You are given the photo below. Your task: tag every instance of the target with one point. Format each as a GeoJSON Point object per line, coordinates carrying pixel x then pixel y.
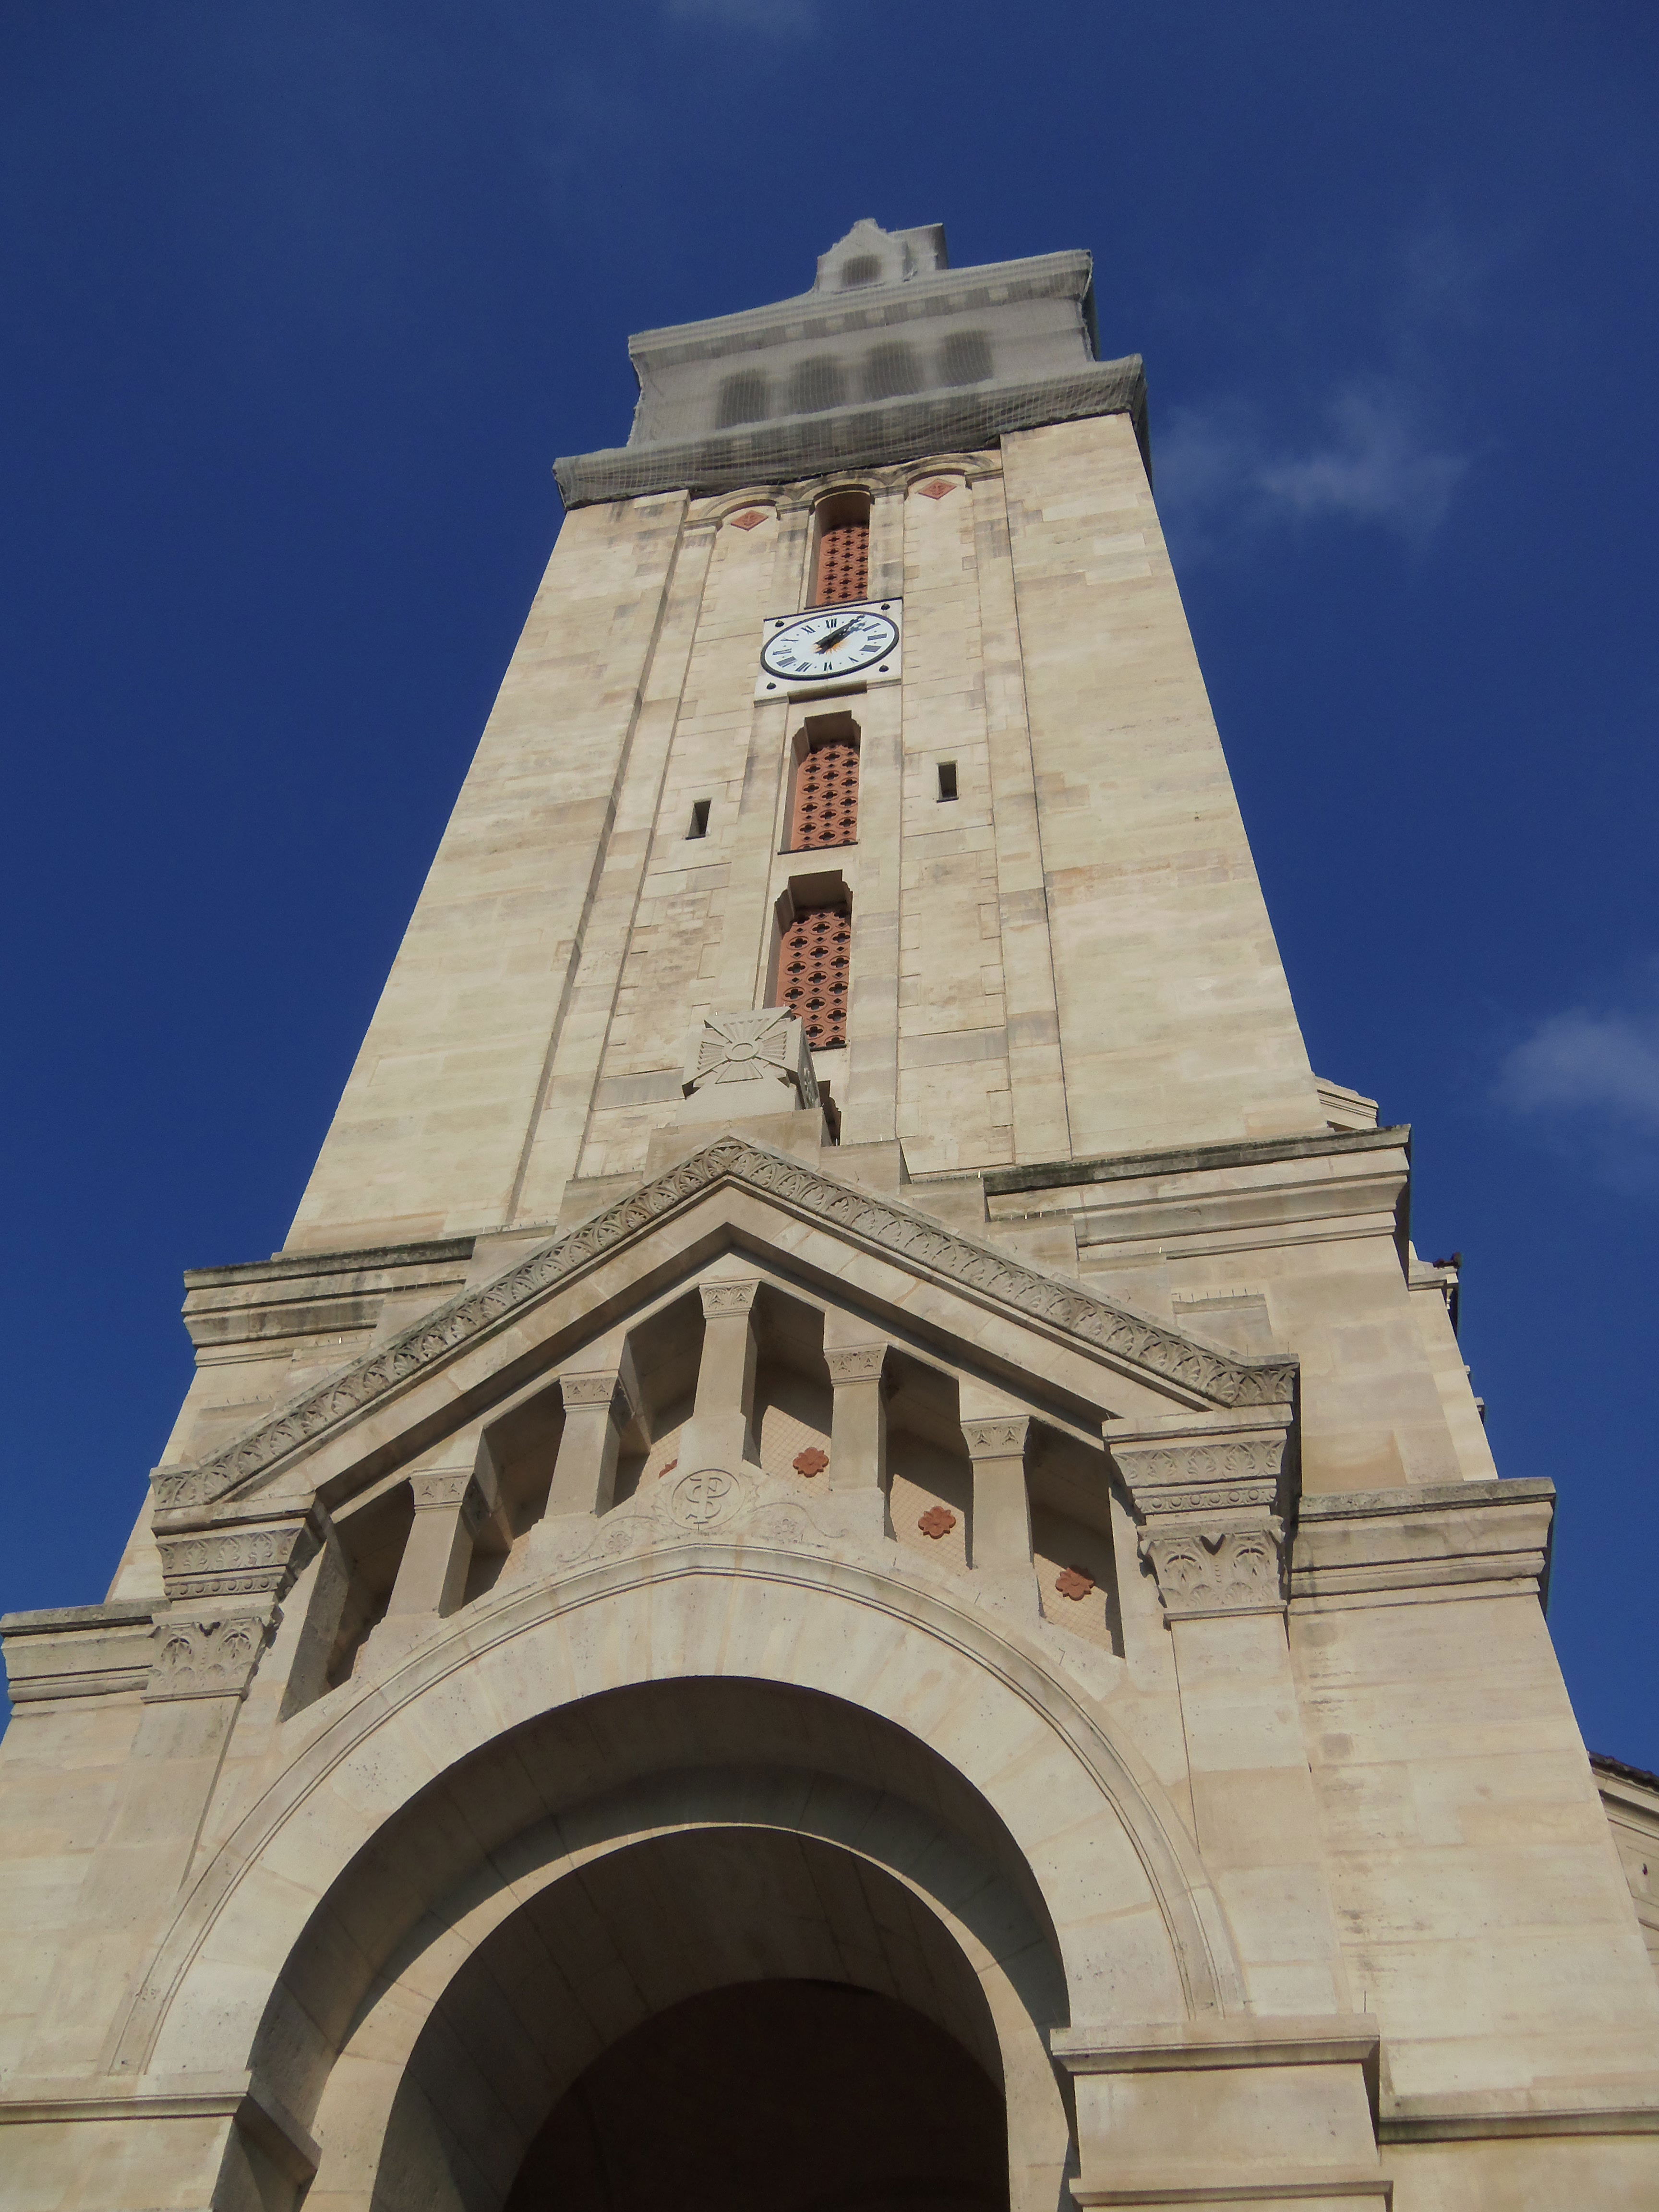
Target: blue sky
{"type": "Point", "coordinates": [298, 302]}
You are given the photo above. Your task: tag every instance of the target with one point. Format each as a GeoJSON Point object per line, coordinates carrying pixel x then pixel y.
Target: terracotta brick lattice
{"type": "Point", "coordinates": [826, 797]}
{"type": "Point", "coordinates": [843, 563]}
{"type": "Point", "coordinates": [812, 973]}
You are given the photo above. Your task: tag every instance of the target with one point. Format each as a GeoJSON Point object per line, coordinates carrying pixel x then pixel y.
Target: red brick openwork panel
{"type": "Point", "coordinates": [843, 563]}
{"type": "Point", "coordinates": [816, 951]}
{"type": "Point", "coordinates": [826, 797]}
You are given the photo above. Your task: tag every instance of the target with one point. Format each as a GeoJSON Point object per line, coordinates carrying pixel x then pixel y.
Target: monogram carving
{"type": "Point", "coordinates": [208, 1658]}
{"type": "Point", "coordinates": [1000, 1439]}
{"type": "Point", "coordinates": [704, 1499]}
{"type": "Point", "coordinates": [235, 1562]}
{"type": "Point", "coordinates": [1095, 1323]}
{"type": "Point", "coordinates": [1222, 1570]}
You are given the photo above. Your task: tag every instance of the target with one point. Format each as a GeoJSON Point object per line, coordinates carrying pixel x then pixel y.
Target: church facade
{"type": "Point", "coordinates": [848, 1560]}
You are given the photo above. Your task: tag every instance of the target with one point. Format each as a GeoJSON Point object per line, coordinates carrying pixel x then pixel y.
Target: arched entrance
{"type": "Point", "coordinates": [736, 2008]}
{"type": "Point", "coordinates": [774, 2097]}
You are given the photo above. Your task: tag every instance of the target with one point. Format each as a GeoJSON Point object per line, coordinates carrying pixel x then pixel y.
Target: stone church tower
{"type": "Point", "coordinates": [846, 1563]}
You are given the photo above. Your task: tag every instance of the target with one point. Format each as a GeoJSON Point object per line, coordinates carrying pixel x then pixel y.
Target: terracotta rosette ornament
{"type": "Point", "coordinates": [938, 1520]}
{"type": "Point", "coordinates": [1075, 1583]}
{"type": "Point", "coordinates": [810, 1461]}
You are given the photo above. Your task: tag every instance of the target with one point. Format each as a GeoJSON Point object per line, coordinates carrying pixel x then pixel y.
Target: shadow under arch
{"type": "Point", "coordinates": [751, 1917]}
{"type": "Point", "coordinates": [922, 1895]}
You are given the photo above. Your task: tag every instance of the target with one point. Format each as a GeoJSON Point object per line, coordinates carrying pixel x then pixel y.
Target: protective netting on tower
{"type": "Point", "coordinates": [812, 968]}
{"type": "Point", "coordinates": [862, 436]}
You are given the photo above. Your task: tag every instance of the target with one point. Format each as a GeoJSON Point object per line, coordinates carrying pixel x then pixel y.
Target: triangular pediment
{"type": "Point", "coordinates": [1191, 1373]}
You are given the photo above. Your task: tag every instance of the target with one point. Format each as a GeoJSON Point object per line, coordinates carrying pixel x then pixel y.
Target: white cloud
{"type": "Point", "coordinates": [1579, 1063]}
{"type": "Point", "coordinates": [1369, 459]}
{"type": "Point", "coordinates": [773, 18]}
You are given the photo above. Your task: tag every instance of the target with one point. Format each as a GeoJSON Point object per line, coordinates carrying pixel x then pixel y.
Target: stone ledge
{"type": "Point", "coordinates": [1467, 1539]}
{"type": "Point", "coordinates": [318, 1294]}
{"type": "Point", "coordinates": [26, 2103]}
{"type": "Point", "coordinates": [78, 1650]}
{"type": "Point", "coordinates": [1312, 2040]}
{"type": "Point", "coordinates": [1191, 1159]}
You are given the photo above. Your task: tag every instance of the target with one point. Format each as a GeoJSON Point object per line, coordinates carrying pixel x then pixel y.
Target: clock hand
{"type": "Point", "coordinates": [834, 638]}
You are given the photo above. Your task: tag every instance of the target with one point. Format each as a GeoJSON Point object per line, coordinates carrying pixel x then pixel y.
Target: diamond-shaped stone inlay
{"type": "Point", "coordinates": [750, 519]}
{"type": "Point", "coordinates": [940, 488]}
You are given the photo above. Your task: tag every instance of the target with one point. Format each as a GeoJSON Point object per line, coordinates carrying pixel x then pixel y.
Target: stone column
{"type": "Point", "coordinates": [1211, 1491]}
{"type": "Point", "coordinates": [858, 1424]}
{"type": "Point", "coordinates": [451, 1505]}
{"type": "Point", "coordinates": [720, 1431]}
{"type": "Point", "coordinates": [598, 1405]}
{"type": "Point", "coordinates": [999, 1532]}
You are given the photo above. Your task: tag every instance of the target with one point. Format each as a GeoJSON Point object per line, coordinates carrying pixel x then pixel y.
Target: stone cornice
{"type": "Point", "coordinates": [1192, 1159]}
{"type": "Point", "coordinates": [1201, 1371]}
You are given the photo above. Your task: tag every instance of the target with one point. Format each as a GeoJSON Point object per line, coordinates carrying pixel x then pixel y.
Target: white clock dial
{"type": "Point", "coordinates": [830, 642]}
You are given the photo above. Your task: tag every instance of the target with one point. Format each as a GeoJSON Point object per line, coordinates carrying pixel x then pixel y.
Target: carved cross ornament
{"type": "Point", "coordinates": [742, 1048]}
{"type": "Point", "coordinates": [1210, 1495]}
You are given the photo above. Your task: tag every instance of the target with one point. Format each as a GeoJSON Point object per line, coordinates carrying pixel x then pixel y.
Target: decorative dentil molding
{"type": "Point", "coordinates": [1099, 1324]}
{"type": "Point", "coordinates": [741, 1048]}
{"type": "Point", "coordinates": [212, 1658]}
{"type": "Point", "coordinates": [1210, 1494]}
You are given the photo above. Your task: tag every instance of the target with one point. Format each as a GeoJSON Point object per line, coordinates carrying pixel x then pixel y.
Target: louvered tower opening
{"type": "Point", "coordinates": [813, 961]}
{"type": "Point", "coordinates": [842, 572]}
{"type": "Point", "coordinates": [826, 811]}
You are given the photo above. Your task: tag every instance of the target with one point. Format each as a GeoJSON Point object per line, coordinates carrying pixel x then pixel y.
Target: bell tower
{"type": "Point", "coordinates": [847, 1555]}
{"type": "Point", "coordinates": [858, 685]}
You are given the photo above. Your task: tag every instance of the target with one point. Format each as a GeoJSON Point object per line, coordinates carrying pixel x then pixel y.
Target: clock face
{"type": "Point", "coordinates": [830, 641]}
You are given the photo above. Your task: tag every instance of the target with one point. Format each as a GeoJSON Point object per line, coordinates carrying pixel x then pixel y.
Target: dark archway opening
{"type": "Point", "coordinates": [776, 2096]}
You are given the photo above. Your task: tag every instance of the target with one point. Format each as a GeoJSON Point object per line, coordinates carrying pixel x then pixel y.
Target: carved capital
{"type": "Point", "coordinates": [857, 1363]}
{"type": "Point", "coordinates": [602, 1391]}
{"type": "Point", "coordinates": [769, 1044]}
{"type": "Point", "coordinates": [725, 1301]}
{"type": "Point", "coordinates": [1002, 1438]}
{"type": "Point", "coordinates": [1209, 1493]}
{"type": "Point", "coordinates": [207, 1657]}
{"type": "Point", "coordinates": [1205, 1570]}
{"type": "Point", "coordinates": [451, 1489]}
{"type": "Point", "coordinates": [257, 1561]}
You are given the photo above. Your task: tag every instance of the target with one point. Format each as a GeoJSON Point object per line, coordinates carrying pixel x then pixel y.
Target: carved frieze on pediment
{"type": "Point", "coordinates": [1206, 1374]}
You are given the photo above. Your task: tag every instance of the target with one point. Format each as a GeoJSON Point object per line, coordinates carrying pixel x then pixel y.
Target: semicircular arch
{"type": "Point", "coordinates": [1084, 1820]}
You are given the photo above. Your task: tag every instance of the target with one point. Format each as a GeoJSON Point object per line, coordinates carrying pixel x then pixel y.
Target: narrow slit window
{"type": "Point", "coordinates": [813, 962]}
{"type": "Point", "coordinates": [826, 811]}
{"type": "Point", "coordinates": [699, 819]}
{"type": "Point", "coordinates": [947, 780]}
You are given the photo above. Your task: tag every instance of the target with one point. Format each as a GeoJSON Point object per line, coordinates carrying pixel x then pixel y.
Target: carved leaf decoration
{"type": "Point", "coordinates": [812, 1460]}
{"type": "Point", "coordinates": [1075, 1583]}
{"type": "Point", "coordinates": [938, 1520]}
